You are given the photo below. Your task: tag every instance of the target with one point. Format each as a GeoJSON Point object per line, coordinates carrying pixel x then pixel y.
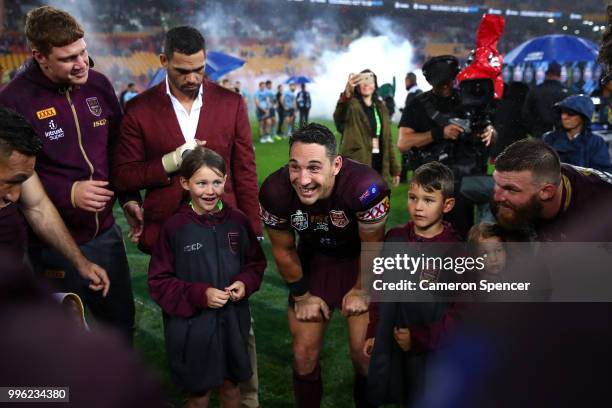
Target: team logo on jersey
{"type": "Point", "coordinates": [319, 222]}
{"type": "Point", "coordinates": [299, 220]}
{"type": "Point", "coordinates": [54, 132]}
{"type": "Point", "coordinates": [369, 194]}
{"type": "Point", "coordinates": [338, 218]}
{"type": "Point", "coordinates": [270, 220]}
{"type": "Point", "coordinates": [94, 106]}
{"type": "Point", "coordinates": [232, 240]}
{"type": "Point", "coordinates": [46, 113]}
{"type": "Point", "coordinates": [376, 213]}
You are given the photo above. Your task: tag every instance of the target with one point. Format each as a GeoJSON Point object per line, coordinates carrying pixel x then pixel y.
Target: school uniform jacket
{"type": "Point", "coordinates": [195, 252]}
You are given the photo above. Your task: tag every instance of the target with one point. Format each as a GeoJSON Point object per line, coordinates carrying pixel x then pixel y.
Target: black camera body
{"type": "Point", "coordinates": [476, 109]}
{"type": "Point", "coordinates": [473, 114]}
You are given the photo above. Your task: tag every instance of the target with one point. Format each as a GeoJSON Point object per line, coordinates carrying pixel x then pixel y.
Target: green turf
{"type": "Point", "coordinates": [269, 311]}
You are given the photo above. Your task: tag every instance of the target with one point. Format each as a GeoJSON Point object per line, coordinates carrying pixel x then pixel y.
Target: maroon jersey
{"type": "Point", "coordinates": [13, 230]}
{"type": "Point", "coordinates": [328, 226]}
{"type": "Point", "coordinates": [585, 208]}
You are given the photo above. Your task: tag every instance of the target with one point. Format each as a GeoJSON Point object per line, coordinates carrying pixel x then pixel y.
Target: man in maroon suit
{"type": "Point", "coordinates": [183, 111]}
{"type": "Point", "coordinates": [162, 123]}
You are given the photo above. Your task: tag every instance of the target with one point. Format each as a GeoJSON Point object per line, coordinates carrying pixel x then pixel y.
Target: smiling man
{"type": "Point", "coordinates": [559, 202]}
{"type": "Point", "coordinates": [333, 204]}
{"type": "Point", "coordinates": [76, 114]}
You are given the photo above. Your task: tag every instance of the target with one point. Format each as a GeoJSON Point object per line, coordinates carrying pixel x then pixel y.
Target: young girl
{"type": "Point", "coordinates": [489, 239]}
{"type": "Point", "coordinates": [205, 265]}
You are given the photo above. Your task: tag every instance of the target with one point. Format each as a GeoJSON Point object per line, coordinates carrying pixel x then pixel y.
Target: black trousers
{"type": "Point", "coordinates": [108, 251]}
{"type": "Point", "coordinates": [304, 116]}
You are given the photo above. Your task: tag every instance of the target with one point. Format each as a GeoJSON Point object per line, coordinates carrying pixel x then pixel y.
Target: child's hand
{"type": "Point", "coordinates": [216, 298]}
{"type": "Point", "coordinates": [402, 337]}
{"type": "Point", "coordinates": [368, 346]}
{"type": "Point", "coordinates": [236, 291]}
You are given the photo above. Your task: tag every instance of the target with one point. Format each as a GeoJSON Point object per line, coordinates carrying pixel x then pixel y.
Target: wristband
{"type": "Point", "coordinates": [298, 288]}
{"type": "Point", "coordinates": [437, 134]}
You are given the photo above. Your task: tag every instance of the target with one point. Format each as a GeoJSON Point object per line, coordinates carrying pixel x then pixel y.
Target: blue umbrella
{"type": "Point", "coordinates": [298, 79]}
{"type": "Point", "coordinates": [217, 65]}
{"type": "Point", "coordinates": [557, 47]}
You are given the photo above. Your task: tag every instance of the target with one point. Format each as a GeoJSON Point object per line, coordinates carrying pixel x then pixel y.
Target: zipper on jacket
{"type": "Point", "coordinates": [80, 138]}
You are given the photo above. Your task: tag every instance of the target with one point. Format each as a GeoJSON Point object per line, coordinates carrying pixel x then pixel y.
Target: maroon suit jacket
{"type": "Point", "coordinates": [150, 129]}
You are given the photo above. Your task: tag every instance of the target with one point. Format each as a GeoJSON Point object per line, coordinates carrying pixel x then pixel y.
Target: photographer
{"type": "Point", "coordinates": [427, 132]}
{"type": "Point", "coordinates": [363, 120]}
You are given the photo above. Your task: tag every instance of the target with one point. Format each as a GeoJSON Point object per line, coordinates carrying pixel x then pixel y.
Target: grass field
{"type": "Point", "coordinates": [269, 308]}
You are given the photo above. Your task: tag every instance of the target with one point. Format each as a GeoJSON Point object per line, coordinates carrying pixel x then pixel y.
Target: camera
{"type": "Point", "coordinates": [476, 109]}
{"type": "Point", "coordinates": [366, 78]}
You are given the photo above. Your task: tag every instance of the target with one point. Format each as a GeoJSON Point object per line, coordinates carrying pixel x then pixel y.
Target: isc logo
{"type": "Point", "coordinates": [192, 247]}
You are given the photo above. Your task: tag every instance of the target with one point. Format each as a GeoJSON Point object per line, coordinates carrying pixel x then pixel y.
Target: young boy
{"type": "Point", "coordinates": [402, 336]}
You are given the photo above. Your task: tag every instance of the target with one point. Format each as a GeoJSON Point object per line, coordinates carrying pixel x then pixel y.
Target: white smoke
{"type": "Point", "coordinates": [383, 51]}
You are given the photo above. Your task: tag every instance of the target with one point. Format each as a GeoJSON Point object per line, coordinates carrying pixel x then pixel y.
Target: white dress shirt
{"type": "Point", "coordinates": [187, 121]}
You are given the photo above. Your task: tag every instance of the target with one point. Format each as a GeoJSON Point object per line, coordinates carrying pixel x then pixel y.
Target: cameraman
{"type": "Point", "coordinates": [425, 132]}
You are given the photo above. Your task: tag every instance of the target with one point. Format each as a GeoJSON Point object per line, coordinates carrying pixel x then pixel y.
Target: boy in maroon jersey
{"type": "Point", "coordinates": [402, 336]}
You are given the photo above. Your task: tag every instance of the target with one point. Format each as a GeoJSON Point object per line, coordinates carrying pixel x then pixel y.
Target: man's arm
{"type": "Point", "coordinates": [244, 173]}
{"type": "Point", "coordinates": [307, 307]}
{"type": "Point", "coordinates": [285, 254]}
{"type": "Point", "coordinates": [409, 138]}
{"type": "Point", "coordinates": [132, 169]}
{"type": "Point", "coordinates": [48, 225]}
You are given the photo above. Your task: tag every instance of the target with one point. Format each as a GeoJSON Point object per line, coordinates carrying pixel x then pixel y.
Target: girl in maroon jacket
{"type": "Point", "coordinates": [205, 265]}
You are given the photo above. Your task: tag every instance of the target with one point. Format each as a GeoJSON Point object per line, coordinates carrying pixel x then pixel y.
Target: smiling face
{"type": "Point", "coordinates": [516, 199]}
{"type": "Point", "coordinates": [427, 208]}
{"type": "Point", "coordinates": [14, 170]}
{"type": "Point", "coordinates": [311, 172]}
{"type": "Point", "coordinates": [205, 188]}
{"type": "Point", "coordinates": [366, 88]}
{"type": "Point", "coordinates": [65, 65]}
{"type": "Point", "coordinates": [185, 72]}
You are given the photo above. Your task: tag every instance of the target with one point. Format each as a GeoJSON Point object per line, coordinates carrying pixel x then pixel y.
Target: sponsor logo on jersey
{"type": "Point", "coordinates": [232, 240]}
{"type": "Point", "coordinates": [46, 113]}
{"type": "Point", "coordinates": [270, 220]}
{"type": "Point", "coordinates": [376, 213]}
{"type": "Point", "coordinates": [299, 220]}
{"type": "Point", "coordinates": [338, 218]}
{"type": "Point", "coordinates": [369, 194]}
{"type": "Point", "coordinates": [54, 132]}
{"type": "Point", "coordinates": [192, 247]}
{"type": "Point", "coordinates": [320, 222]}
{"type": "Point", "coordinates": [101, 122]}
{"type": "Point", "coordinates": [94, 106]}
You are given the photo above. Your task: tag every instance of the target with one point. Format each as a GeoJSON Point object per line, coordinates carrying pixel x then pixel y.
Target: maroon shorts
{"type": "Point", "coordinates": [329, 278]}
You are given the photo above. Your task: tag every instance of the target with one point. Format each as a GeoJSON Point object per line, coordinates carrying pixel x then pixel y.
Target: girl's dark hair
{"type": "Point", "coordinates": [202, 157]}
{"type": "Point", "coordinates": [375, 94]}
